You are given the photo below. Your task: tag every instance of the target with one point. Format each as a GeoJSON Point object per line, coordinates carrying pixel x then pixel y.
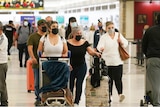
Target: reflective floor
{"type": "Point", "coordinates": [133, 85]}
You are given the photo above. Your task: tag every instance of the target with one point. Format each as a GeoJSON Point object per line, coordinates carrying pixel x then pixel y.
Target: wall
{"type": "Point", "coordinates": [95, 15]}
{"type": "Point", "coordinates": [129, 20]}
{"type": "Point", "coordinates": [147, 9]}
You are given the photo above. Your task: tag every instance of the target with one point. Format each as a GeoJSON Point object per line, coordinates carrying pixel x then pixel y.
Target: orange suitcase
{"type": "Point", "coordinates": [30, 76]}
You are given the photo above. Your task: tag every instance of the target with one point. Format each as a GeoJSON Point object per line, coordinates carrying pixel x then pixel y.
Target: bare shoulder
{"type": "Point", "coordinates": [69, 40]}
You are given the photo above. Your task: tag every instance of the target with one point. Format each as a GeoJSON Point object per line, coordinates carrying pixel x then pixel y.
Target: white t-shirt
{"type": "Point", "coordinates": [3, 49]}
{"type": "Point", "coordinates": [51, 50]}
{"type": "Point", "coordinates": [111, 53]}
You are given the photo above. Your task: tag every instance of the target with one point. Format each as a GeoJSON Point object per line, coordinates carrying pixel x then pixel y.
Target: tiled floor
{"type": "Point", "coordinates": [133, 85]}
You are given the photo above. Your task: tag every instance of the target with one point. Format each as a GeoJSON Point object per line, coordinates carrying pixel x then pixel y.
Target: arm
{"type": "Point", "coordinates": [123, 41]}
{"type": "Point", "coordinates": [144, 44]}
{"type": "Point", "coordinates": [3, 44]}
{"type": "Point", "coordinates": [100, 46]}
{"type": "Point", "coordinates": [30, 51]}
{"type": "Point", "coordinates": [65, 50]}
{"type": "Point", "coordinates": [40, 48]}
{"type": "Point", "coordinates": [92, 52]}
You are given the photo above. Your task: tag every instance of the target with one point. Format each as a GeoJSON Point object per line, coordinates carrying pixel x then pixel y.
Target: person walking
{"type": "Point", "coordinates": [33, 42]}
{"type": "Point", "coordinates": [108, 45]}
{"type": "Point", "coordinates": [78, 48]}
{"type": "Point", "coordinates": [72, 23]}
{"type": "Point", "coordinates": [9, 31]}
{"type": "Point", "coordinates": [151, 49]}
{"type": "Point", "coordinates": [52, 44]}
{"type": "Point", "coordinates": [23, 33]}
{"type": "Point", "coordinates": [98, 33]}
{"type": "Point", "coordinates": [3, 67]}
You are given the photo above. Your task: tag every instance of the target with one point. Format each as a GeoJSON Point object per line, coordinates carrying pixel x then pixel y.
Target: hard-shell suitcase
{"type": "Point", "coordinates": [30, 76]}
{"type": "Point", "coordinates": [98, 96]}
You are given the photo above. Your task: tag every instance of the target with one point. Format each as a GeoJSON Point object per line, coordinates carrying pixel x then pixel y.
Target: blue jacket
{"type": "Point", "coordinates": [58, 73]}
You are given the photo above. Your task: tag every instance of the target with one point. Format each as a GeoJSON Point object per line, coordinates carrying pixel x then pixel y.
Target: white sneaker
{"type": "Point", "coordinates": [75, 105]}
{"type": "Point", "coordinates": [121, 98]}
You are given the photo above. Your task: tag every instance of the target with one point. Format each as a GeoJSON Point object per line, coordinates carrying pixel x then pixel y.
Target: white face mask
{"type": "Point", "coordinates": [111, 31]}
{"type": "Point", "coordinates": [74, 24]}
{"type": "Point", "coordinates": [25, 23]}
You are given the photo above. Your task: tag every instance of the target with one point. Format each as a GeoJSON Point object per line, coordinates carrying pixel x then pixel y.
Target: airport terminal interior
{"type": "Point", "coordinates": [87, 13]}
{"type": "Point", "coordinates": [133, 83]}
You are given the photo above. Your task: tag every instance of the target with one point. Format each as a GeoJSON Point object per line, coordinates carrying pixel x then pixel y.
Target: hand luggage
{"type": "Point", "coordinates": [30, 76]}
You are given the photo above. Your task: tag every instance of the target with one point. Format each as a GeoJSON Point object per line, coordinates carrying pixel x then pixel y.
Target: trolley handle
{"type": "Point", "coordinates": [48, 57]}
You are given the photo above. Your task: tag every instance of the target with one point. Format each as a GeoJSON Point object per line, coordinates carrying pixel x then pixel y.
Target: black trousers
{"type": "Point", "coordinates": [115, 74]}
{"type": "Point", "coordinates": [9, 46]}
{"type": "Point", "coordinates": [23, 49]}
{"type": "Point", "coordinates": [77, 74]}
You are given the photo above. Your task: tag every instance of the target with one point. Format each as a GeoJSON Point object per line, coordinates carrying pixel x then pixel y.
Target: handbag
{"type": "Point", "coordinates": [123, 53]}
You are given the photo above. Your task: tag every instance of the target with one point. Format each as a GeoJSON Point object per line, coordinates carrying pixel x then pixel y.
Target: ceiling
{"type": "Point", "coordinates": [66, 4]}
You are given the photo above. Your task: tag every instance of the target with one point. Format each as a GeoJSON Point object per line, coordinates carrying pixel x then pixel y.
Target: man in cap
{"type": "Point", "coordinates": [151, 49]}
{"type": "Point", "coordinates": [33, 42]}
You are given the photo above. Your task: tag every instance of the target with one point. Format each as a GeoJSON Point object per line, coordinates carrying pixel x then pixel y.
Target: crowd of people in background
{"type": "Point", "coordinates": [31, 38]}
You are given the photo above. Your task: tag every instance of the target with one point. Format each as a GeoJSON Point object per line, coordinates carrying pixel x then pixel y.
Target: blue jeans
{"type": "Point", "coordinates": [36, 83]}
{"type": "Point", "coordinates": [78, 73]}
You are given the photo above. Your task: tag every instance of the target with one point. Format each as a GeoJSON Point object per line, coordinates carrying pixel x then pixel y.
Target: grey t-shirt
{"type": "Point", "coordinates": [23, 34]}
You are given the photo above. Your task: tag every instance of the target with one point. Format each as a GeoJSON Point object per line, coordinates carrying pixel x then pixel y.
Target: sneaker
{"type": "Point", "coordinates": [75, 105]}
{"type": "Point", "coordinates": [121, 98]}
{"type": "Point", "coordinates": [37, 103]}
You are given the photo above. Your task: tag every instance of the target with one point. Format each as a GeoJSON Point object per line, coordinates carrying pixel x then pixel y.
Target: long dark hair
{"type": "Point", "coordinates": [68, 30]}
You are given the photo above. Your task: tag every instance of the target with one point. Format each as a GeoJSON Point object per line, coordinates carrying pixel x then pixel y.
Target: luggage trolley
{"type": "Point", "coordinates": [50, 94]}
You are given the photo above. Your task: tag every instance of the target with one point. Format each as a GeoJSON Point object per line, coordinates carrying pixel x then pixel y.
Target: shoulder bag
{"type": "Point", "coordinates": [123, 53]}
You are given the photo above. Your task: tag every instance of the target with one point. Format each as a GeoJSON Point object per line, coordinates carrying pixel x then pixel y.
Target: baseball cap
{"type": "Point", "coordinates": [41, 21]}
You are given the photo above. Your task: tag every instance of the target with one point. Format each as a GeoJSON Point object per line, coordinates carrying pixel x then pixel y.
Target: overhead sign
{"type": "Point", "coordinates": [21, 4]}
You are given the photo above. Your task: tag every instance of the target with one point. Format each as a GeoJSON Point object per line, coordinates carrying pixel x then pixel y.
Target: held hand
{"type": "Point", "coordinates": [34, 61]}
{"type": "Point", "coordinates": [98, 54]}
{"type": "Point", "coordinates": [70, 68]}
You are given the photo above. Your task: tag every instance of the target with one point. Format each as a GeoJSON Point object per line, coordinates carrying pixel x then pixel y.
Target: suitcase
{"type": "Point", "coordinates": [30, 76]}
{"type": "Point", "coordinates": [98, 96]}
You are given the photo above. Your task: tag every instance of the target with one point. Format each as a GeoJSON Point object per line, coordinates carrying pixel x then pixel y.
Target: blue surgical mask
{"type": "Point", "coordinates": [74, 24]}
